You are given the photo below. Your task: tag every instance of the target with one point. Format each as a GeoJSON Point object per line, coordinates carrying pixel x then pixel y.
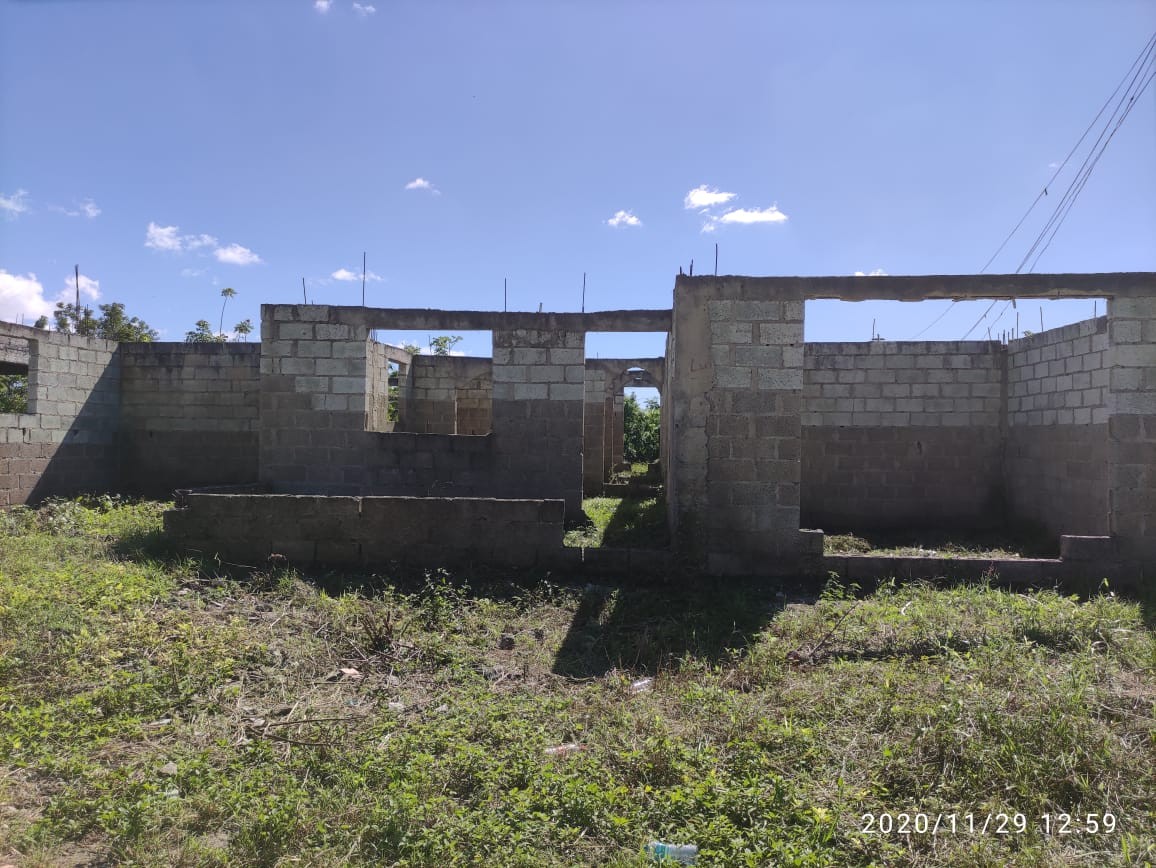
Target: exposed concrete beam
{"type": "Point", "coordinates": [953, 286]}
{"type": "Point", "coordinates": [400, 319]}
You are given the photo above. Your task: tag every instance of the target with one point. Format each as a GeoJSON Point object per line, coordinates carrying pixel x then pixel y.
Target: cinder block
{"type": "Point", "coordinates": [295, 331]}
{"type": "Point", "coordinates": [534, 391]}
{"type": "Point", "coordinates": [731, 332]}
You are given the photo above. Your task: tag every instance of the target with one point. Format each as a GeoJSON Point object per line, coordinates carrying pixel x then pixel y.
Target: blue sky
{"type": "Point", "coordinates": [175, 148]}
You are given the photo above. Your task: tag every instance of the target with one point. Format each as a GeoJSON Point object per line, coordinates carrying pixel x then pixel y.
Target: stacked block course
{"type": "Point", "coordinates": [67, 440]}
{"type": "Point", "coordinates": [899, 434]}
{"type": "Point", "coordinates": [188, 415]}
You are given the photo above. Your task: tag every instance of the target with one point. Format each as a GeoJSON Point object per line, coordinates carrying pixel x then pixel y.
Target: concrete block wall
{"type": "Point", "coordinates": [902, 434]}
{"type": "Point", "coordinates": [735, 384]}
{"type": "Point", "coordinates": [539, 390]}
{"type": "Point", "coordinates": [473, 404]}
{"type": "Point", "coordinates": [427, 531]}
{"type": "Point", "coordinates": [1132, 429]}
{"type": "Point", "coordinates": [313, 419]}
{"type": "Point", "coordinates": [66, 443]}
{"type": "Point", "coordinates": [188, 415]}
{"type": "Point", "coordinates": [14, 355]}
{"type": "Point", "coordinates": [448, 395]}
{"type": "Point", "coordinates": [595, 433]}
{"type": "Point", "coordinates": [313, 399]}
{"type": "Point", "coordinates": [377, 388]}
{"type": "Point", "coordinates": [1056, 456]}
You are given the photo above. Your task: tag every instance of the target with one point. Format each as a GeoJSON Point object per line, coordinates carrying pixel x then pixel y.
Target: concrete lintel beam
{"type": "Point", "coordinates": [932, 286]}
{"type": "Point", "coordinates": [403, 319]}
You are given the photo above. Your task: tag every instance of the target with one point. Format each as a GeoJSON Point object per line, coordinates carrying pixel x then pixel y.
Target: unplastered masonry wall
{"type": "Point", "coordinates": [902, 434]}
{"type": "Point", "coordinates": [448, 395]}
{"type": "Point", "coordinates": [539, 390]}
{"type": "Point", "coordinates": [377, 388]}
{"type": "Point", "coordinates": [313, 419]}
{"type": "Point", "coordinates": [66, 443]}
{"type": "Point", "coordinates": [188, 415]}
{"type": "Point", "coordinates": [1056, 460]}
{"type": "Point", "coordinates": [351, 531]}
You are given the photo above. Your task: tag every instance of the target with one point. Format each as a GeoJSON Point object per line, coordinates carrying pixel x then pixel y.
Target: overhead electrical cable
{"type": "Point", "coordinates": [1083, 180]}
{"type": "Point", "coordinates": [1044, 190]}
{"type": "Point", "coordinates": [1139, 75]}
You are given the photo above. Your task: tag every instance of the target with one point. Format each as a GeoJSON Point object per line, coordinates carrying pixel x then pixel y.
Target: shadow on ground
{"type": "Point", "coordinates": [638, 523]}
{"type": "Point", "coordinates": [652, 629]}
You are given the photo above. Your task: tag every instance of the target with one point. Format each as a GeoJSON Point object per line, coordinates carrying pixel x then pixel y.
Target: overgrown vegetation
{"type": "Point", "coordinates": [156, 711]}
{"type": "Point", "coordinates": [13, 393]}
{"type": "Point", "coordinates": [622, 522]}
{"type": "Point", "coordinates": [112, 324]}
{"type": "Point", "coordinates": [640, 429]}
{"type": "Point", "coordinates": [1025, 542]}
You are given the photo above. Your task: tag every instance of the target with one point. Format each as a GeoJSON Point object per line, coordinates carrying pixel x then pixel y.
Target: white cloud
{"type": "Point", "coordinates": [87, 208]}
{"type": "Point", "coordinates": [422, 184]}
{"type": "Point", "coordinates": [15, 204]}
{"type": "Point", "coordinates": [623, 218]}
{"type": "Point", "coordinates": [170, 239]}
{"type": "Point", "coordinates": [235, 254]}
{"type": "Point", "coordinates": [89, 288]}
{"type": "Point", "coordinates": [876, 272]}
{"type": "Point", "coordinates": [23, 295]}
{"type": "Point", "coordinates": [754, 215]}
{"type": "Point", "coordinates": [364, 10]}
{"type": "Point", "coordinates": [706, 197]}
{"type": "Point", "coordinates": [1053, 165]}
{"type": "Point", "coordinates": [195, 242]}
{"type": "Point", "coordinates": [322, 6]}
{"type": "Point", "coordinates": [162, 237]}
{"type": "Point", "coordinates": [192, 272]}
{"type": "Point", "coordinates": [346, 274]}
{"type": "Point", "coordinates": [708, 227]}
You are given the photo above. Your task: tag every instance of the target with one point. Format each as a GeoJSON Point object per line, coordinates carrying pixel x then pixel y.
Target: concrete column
{"type": "Point", "coordinates": [594, 434]}
{"type": "Point", "coordinates": [539, 388]}
{"type": "Point", "coordinates": [618, 431]}
{"type": "Point", "coordinates": [1132, 431]}
{"type": "Point", "coordinates": [736, 395]}
{"type": "Point", "coordinates": [313, 400]}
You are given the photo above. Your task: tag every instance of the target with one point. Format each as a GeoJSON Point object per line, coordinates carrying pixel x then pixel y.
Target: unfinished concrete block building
{"type": "Point", "coordinates": [763, 436]}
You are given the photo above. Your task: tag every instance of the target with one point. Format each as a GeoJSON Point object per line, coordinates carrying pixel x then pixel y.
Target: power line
{"type": "Point", "coordinates": [1078, 185]}
{"type": "Point", "coordinates": [1137, 72]}
{"type": "Point", "coordinates": [954, 302]}
{"type": "Point", "coordinates": [1044, 190]}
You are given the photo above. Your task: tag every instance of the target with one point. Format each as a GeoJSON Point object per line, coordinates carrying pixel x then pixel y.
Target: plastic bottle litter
{"type": "Point", "coordinates": [642, 685]}
{"type": "Point", "coordinates": [684, 854]}
{"type": "Point", "coordinates": [565, 749]}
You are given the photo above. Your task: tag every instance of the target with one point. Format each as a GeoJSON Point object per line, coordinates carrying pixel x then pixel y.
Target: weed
{"type": "Point", "coordinates": [154, 712]}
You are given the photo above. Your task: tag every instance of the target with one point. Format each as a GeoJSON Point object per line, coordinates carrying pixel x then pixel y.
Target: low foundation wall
{"type": "Point", "coordinates": [352, 531]}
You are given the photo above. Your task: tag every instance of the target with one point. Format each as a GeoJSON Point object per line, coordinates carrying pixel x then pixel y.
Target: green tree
{"type": "Point", "coordinates": [226, 293]}
{"type": "Point", "coordinates": [412, 349]}
{"type": "Point", "coordinates": [112, 324]}
{"type": "Point", "coordinates": [641, 427]}
{"type": "Point", "coordinates": [442, 344]}
{"type": "Point", "coordinates": [13, 393]}
{"type": "Point", "coordinates": [71, 319]}
{"type": "Point", "coordinates": [41, 323]}
{"type": "Point", "coordinates": [202, 333]}
{"type": "Point", "coordinates": [243, 329]}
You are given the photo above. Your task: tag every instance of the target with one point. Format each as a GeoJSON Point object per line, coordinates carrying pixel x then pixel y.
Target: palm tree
{"type": "Point", "coordinates": [226, 293]}
{"type": "Point", "coordinates": [243, 328]}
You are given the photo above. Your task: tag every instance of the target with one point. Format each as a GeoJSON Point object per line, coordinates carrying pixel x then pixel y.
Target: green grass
{"type": "Point", "coordinates": [942, 544]}
{"type": "Point", "coordinates": [622, 522]}
{"type": "Point", "coordinates": [154, 711]}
